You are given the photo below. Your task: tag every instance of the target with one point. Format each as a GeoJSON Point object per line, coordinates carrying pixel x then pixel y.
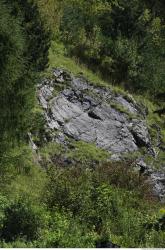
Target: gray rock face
{"type": "Point", "coordinates": [100, 125]}
{"type": "Point", "coordinates": [83, 112]}
{"type": "Point", "coordinates": [157, 178]}
{"type": "Point", "coordinates": [130, 106]}
{"type": "Point", "coordinates": [140, 132]}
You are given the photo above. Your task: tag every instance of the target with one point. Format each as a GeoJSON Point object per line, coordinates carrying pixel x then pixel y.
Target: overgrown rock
{"type": "Point", "coordinates": [75, 108]}
{"type": "Point", "coordinates": [83, 112]}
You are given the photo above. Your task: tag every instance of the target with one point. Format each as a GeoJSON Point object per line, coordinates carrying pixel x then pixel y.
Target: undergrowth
{"type": "Point", "coordinates": [76, 205]}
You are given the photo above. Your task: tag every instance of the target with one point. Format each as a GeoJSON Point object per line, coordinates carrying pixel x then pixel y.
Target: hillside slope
{"type": "Point", "coordinates": [81, 159]}
{"type": "Point", "coordinates": [75, 109]}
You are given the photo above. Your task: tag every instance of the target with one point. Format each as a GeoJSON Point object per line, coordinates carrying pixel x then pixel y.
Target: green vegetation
{"type": "Point", "coordinates": [87, 153]}
{"type": "Point", "coordinates": [58, 58]}
{"type": "Point", "coordinates": [78, 206]}
{"type": "Point", "coordinates": [79, 153]}
{"type": "Point", "coordinates": [12, 44]}
{"type": "Point", "coordinates": [122, 40]}
{"type": "Point", "coordinates": [73, 196]}
{"type": "Point", "coordinates": [22, 55]}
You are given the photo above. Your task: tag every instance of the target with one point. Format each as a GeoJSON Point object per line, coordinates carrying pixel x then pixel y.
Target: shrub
{"type": "Point", "coordinates": [123, 175]}
{"type": "Point", "coordinates": [69, 188]}
{"type": "Point", "coordinates": [66, 231]}
{"type": "Point", "coordinates": [22, 219]}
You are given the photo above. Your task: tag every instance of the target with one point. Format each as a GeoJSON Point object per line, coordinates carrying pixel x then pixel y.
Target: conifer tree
{"type": "Point", "coordinates": [23, 53]}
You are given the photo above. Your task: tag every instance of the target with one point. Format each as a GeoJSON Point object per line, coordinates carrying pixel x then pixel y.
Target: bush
{"type": "Point", "coordinates": [66, 231]}
{"type": "Point", "coordinates": [22, 219]}
{"type": "Point", "coordinates": [69, 188]}
{"type": "Point", "coordinates": [123, 175]}
{"type": "Point", "coordinates": [110, 200]}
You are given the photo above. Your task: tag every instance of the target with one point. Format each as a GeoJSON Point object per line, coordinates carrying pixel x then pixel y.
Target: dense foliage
{"type": "Point", "coordinates": [76, 206]}
{"type": "Point", "coordinates": [23, 51]}
{"type": "Point", "coordinates": [43, 203]}
{"type": "Point", "coordinates": [12, 64]}
{"type": "Point", "coordinates": [124, 40]}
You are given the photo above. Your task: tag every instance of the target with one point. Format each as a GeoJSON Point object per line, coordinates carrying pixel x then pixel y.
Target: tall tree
{"type": "Point", "coordinates": [23, 53]}
{"type": "Point", "coordinates": [122, 39]}
{"type": "Point", "coordinates": [37, 37]}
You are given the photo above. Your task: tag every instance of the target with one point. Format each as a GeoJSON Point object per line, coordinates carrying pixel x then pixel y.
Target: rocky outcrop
{"type": "Point", "coordinates": [92, 114]}
{"type": "Point", "coordinates": [75, 108]}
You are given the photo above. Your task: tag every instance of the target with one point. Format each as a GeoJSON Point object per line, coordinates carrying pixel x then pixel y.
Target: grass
{"type": "Point", "coordinates": [123, 110]}
{"type": "Point", "coordinates": [86, 153]}
{"type": "Point", "coordinates": [21, 175]}
{"type": "Point", "coordinates": [163, 135]}
{"type": "Point", "coordinates": [30, 185]}
{"type": "Point", "coordinates": [80, 152]}
{"type": "Point", "coordinates": [58, 58]}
